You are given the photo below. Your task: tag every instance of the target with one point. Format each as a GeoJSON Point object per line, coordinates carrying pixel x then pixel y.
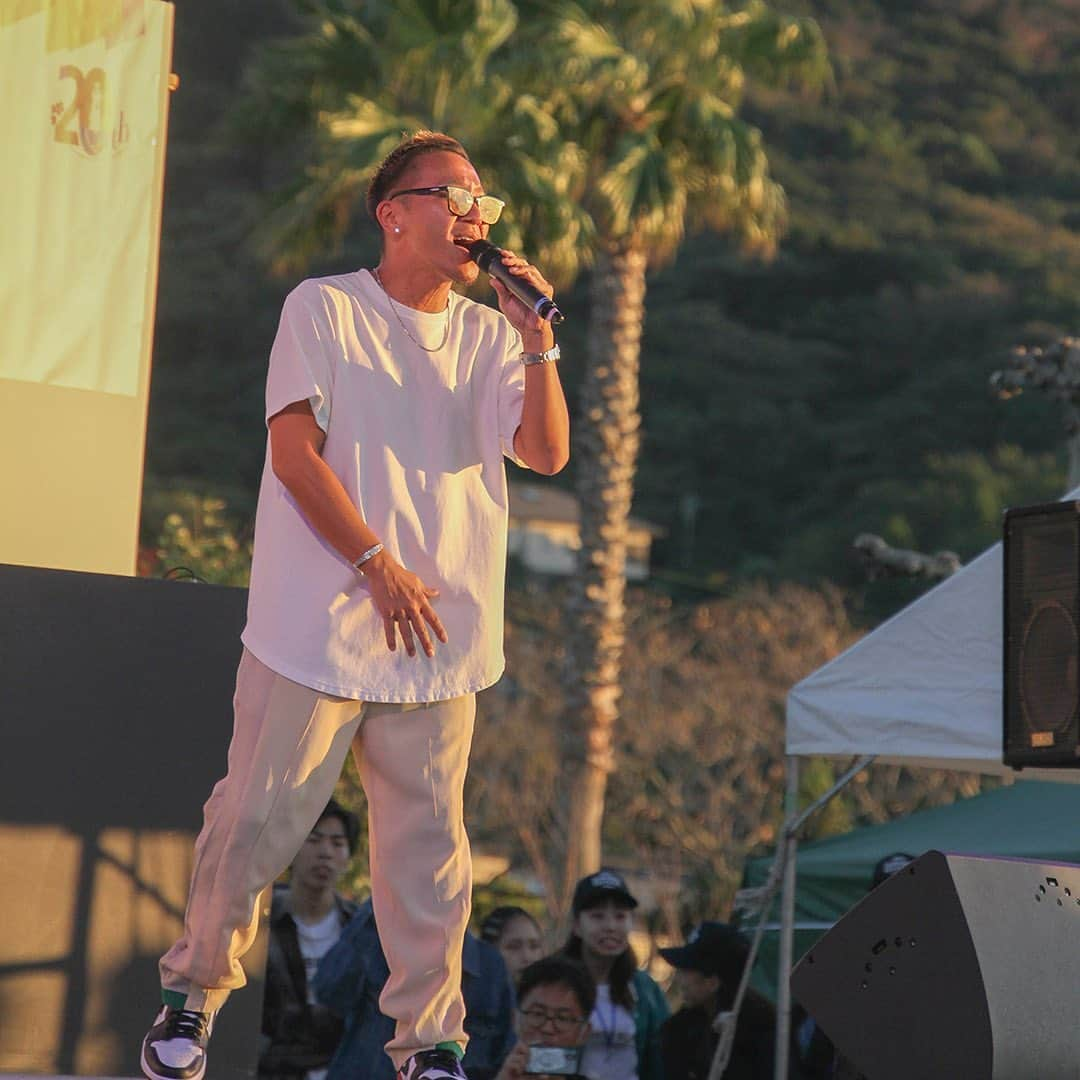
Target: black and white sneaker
{"type": "Point", "coordinates": [432, 1065]}
{"type": "Point", "coordinates": [175, 1047]}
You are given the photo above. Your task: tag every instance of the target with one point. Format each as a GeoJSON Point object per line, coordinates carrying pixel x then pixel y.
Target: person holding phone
{"type": "Point", "coordinates": [555, 998]}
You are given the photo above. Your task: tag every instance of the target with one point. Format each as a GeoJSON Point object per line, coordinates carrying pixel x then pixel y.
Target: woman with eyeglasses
{"type": "Point", "coordinates": [624, 1041]}
{"type": "Point", "coordinates": [555, 997]}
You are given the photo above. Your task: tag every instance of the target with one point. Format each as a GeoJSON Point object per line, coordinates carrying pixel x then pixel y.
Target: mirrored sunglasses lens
{"type": "Point", "coordinates": [460, 200]}
{"type": "Point", "coordinates": [490, 208]}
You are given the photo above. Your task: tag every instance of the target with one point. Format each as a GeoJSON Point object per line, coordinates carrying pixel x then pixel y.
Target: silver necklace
{"type": "Point", "coordinates": [401, 322]}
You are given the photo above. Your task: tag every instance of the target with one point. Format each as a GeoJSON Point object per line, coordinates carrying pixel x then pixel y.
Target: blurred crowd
{"type": "Point", "coordinates": [585, 1010]}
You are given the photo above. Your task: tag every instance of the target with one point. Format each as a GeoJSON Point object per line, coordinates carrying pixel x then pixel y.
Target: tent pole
{"type": "Point", "coordinates": [787, 850]}
{"type": "Point", "coordinates": [787, 923]}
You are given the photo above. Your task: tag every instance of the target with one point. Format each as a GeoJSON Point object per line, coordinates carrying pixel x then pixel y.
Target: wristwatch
{"type": "Point", "coordinates": [547, 357]}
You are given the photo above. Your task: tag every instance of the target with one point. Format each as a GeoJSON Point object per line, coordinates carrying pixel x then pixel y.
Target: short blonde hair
{"type": "Point", "coordinates": [398, 161]}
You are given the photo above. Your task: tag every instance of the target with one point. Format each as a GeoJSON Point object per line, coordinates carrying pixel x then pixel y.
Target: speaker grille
{"type": "Point", "coordinates": [1048, 690]}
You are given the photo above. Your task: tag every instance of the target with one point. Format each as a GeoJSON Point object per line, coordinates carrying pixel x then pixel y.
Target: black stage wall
{"type": "Point", "coordinates": [115, 717]}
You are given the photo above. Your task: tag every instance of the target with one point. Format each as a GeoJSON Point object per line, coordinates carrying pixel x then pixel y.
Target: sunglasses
{"type": "Point", "coordinates": [460, 202]}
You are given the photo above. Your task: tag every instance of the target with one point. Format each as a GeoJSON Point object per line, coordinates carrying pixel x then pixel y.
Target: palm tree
{"type": "Point", "coordinates": [613, 127]}
{"type": "Point", "coordinates": [648, 93]}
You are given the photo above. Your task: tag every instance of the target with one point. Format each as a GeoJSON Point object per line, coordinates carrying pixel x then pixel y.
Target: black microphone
{"type": "Point", "coordinates": [486, 256]}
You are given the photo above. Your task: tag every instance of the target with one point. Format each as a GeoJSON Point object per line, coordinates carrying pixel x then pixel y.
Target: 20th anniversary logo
{"type": "Point", "coordinates": [86, 115]}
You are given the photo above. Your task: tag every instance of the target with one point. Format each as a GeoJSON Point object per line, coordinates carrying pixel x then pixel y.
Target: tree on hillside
{"type": "Point", "coordinates": [608, 154]}
{"type": "Point", "coordinates": [1054, 370]}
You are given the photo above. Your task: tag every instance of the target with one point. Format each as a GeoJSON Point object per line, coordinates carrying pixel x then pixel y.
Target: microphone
{"type": "Point", "coordinates": [486, 256]}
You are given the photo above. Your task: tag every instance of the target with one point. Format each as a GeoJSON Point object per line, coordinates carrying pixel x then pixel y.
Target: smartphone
{"type": "Point", "coordinates": [553, 1060]}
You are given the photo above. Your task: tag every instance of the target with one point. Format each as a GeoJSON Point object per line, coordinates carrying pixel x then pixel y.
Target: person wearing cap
{"type": "Point", "coordinates": [624, 1039]}
{"type": "Point", "coordinates": [708, 969]}
{"type": "Point", "coordinates": [889, 865]}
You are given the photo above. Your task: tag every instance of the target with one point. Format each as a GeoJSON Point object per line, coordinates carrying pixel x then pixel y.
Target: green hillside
{"type": "Point", "coordinates": [934, 204]}
{"type": "Point", "coordinates": [934, 201]}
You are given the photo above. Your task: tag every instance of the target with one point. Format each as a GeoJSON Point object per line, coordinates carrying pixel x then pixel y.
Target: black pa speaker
{"type": "Point", "coordinates": [955, 968]}
{"type": "Point", "coordinates": [1042, 636]}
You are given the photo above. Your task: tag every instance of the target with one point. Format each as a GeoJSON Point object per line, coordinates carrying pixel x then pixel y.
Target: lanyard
{"type": "Point", "coordinates": [606, 1031]}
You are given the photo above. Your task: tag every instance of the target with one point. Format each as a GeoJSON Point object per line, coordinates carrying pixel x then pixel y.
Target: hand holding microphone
{"type": "Point", "coordinates": [489, 258]}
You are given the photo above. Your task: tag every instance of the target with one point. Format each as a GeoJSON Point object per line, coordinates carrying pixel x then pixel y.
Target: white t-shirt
{"type": "Point", "coordinates": [316, 940]}
{"type": "Point", "coordinates": [417, 439]}
{"type": "Point", "coordinates": [611, 1050]}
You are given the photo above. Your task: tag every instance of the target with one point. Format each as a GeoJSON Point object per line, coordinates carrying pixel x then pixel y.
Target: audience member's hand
{"type": "Point", "coordinates": [513, 1067]}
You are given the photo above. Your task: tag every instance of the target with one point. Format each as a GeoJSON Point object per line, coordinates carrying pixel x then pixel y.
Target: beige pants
{"type": "Point", "coordinates": [288, 747]}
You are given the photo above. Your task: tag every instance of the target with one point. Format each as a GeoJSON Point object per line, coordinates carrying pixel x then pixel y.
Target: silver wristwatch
{"type": "Point", "coordinates": [547, 357]}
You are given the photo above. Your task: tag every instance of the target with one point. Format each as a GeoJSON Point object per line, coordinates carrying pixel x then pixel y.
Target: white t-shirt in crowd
{"type": "Point", "coordinates": [611, 1050]}
{"type": "Point", "coordinates": [417, 439]}
{"type": "Point", "coordinates": [316, 940]}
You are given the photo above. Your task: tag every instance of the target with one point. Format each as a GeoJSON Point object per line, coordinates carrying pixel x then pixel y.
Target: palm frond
{"type": "Point", "coordinates": [547, 217]}
{"type": "Point", "coordinates": [363, 121]}
{"type": "Point", "coordinates": [775, 48]}
{"type": "Point", "coordinates": [455, 36]}
{"type": "Point", "coordinates": [632, 133]}
{"type": "Point", "coordinates": [640, 196]}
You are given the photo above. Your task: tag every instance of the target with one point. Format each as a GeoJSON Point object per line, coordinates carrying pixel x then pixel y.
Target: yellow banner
{"type": "Point", "coordinates": [73, 23]}
{"type": "Point", "coordinates": [14, 10]}
{"type": "Point", "coordinates": [82, 124]}
{"type": "Point", "coordinates": [83, 116]}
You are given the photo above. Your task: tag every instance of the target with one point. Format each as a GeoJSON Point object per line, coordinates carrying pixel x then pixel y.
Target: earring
{"type": "Point", "coordinates": [396, 229]}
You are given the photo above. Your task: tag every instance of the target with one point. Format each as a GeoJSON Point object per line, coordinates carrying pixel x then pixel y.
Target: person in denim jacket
{"type": "Point", "coordinates": [351, 976]}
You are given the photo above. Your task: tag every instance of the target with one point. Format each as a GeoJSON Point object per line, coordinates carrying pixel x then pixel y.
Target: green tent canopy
{"type": "Point", "coordinates": [1024, 820]}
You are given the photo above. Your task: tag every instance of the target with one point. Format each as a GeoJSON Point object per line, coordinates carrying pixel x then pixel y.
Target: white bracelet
{"type": "Point", "coordinates": [369, 554]}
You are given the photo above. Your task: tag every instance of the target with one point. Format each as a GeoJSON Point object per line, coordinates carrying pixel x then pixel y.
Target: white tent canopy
{"type": "Point", "coordinates": [924, 688]}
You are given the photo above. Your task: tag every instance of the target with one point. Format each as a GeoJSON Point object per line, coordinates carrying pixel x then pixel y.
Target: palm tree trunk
{"type": "Point", "coordinates": [606, 450]}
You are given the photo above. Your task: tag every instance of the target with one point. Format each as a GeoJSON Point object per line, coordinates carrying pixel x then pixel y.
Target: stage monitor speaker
{"type": "Point", "coordinates": [1042, 636]}
{"type": "Point", "coordinates": [955, 968]}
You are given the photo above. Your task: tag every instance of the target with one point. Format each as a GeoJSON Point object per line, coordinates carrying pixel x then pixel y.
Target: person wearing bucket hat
{"type": "Point", "coordinates": [624, 1043]}
{"type": "Point", "coordinates": [708, 969]}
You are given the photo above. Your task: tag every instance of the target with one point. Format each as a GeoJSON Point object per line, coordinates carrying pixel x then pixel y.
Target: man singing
{"type": "Point", "coordinates": [376, 602]}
